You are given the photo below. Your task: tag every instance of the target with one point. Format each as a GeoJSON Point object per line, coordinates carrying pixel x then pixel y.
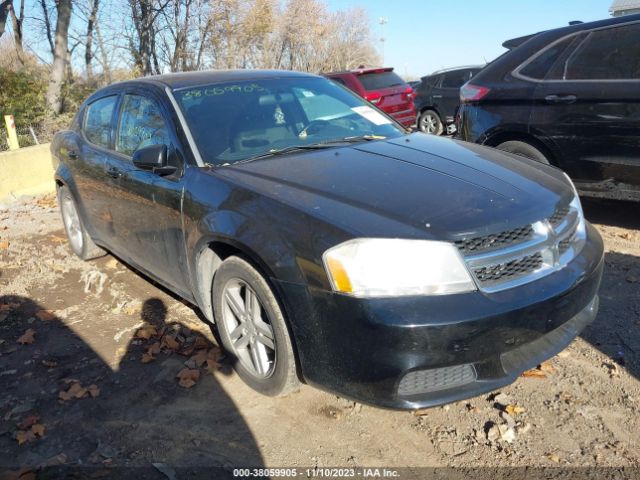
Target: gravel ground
{"type": "Point", "coordinates": [102, 369]}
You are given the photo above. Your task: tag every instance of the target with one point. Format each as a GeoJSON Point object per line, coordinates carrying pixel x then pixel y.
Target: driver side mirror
{"type": "Point", "coordinates": [154, 159]}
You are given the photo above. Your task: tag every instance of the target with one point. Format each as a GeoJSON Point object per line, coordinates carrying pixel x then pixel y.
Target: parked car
{"type": "Point", "coordinates": [327, 244]}
{"type": "Point", "coordinates": [569, 97]}
{"type": "Point", "coordinates": [382, 87]}
{"type": "Point", "coordinates": [438, 97]}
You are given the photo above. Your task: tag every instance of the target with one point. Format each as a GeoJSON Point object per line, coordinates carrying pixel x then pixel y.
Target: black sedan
{"type": "Point", "coordinates": [327, 244]}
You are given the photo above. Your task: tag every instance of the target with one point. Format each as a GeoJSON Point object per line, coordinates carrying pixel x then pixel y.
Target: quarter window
{"type": "Point", "coordinates": [540, 65]}
{"type": "Point", "coordinates": [610, 54]}
{"type": "Point", "coordinates": [141, 125]}
{"type": "Point", "coordinates": [97, 123]}
{"type": "Point", "coordinates": [455, 79]}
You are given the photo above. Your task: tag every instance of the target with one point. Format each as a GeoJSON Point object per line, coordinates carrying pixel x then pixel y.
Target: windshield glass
{"type": "Point", "coordinates": [237, 121]}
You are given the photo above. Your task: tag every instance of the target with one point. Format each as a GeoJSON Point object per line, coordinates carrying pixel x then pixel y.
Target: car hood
{"type": "Point", "coordinates": [414, 186]}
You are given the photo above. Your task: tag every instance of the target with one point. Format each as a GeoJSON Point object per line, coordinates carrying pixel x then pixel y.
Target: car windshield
{"type": "Point", "coordinates": [242, 120]}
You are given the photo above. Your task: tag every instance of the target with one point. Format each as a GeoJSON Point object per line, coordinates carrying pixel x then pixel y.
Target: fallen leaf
{"type": "Point", "coordinates": [188, 377]}
{"type": "Point", "coordinates": [49, 363]}
{"type": "Point", "coordinates": [112, 264]}
{"type": "Point", "coordinates": [27, 337]}
{"type": "Point", "coordinates": [38, 429]}
{"type": "Point", "coordinates": [45, 315]}
{"type": "Point", "coordinates": [625, 235]}
{"type": "Point", "coordinates": [200, 358]}
{"type": "Point", "coordinates": [93, 390]}
{"type": "Point", "coordinates": [534, 373]}
{"type": "Point", "coordinates": [213, 360]}
{"type": "Point", "coordinates": [170, 343]}
{"type": "Point", "coordinates": [514, 409]}
{"type": "Point", "coordinates": [4, 244]}
{"type": "Point", "coordinates": [200, 343]}
{"type": "Point", "coordinates": [546, 367]}
{"type": "Point", "coordinates": [421, 412]}
{"type": "Point", "coordinates": [147, 358]}
{"type": "Point", "coordinates": [553, 457]}
{"type": "Point", "coordinates": [146, 332]}
{"type": "Point", "coordinates": [28, 421]}
{"type": "Point", "coordinates": [154, 349]}
{"type": "Point", "coordinates": [58, 239]}
{"type": "Point", "coordinates": [76, 390]}
{"type": "Point", "coordinates": [24, 436]}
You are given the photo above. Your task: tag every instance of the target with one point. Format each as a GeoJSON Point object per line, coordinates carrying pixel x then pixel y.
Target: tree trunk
{"type": "Point", "coordinates": [54, 92]}
{"type": "Point", "coordinates": [5, 5]}
{"type": "Point", "coordinates": [47, 25]}
{"type": "Point", "coordinates": [88, 45]}
{"type": "Point", "coordinates": [17, 23]}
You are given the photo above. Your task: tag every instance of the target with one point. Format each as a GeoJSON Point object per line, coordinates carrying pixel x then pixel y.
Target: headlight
{"type": "Point", "coordinates": [575, 204]}
{"type": "Point", "coordinates": [378, 267]}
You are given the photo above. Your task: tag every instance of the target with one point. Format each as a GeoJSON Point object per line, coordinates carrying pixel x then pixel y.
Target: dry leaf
{"type": "Point", "coordinates": [200, 343]}
{"type": "Point", "coordinates": [200, 358]}
{"type": "Point", "coordinates": [146, 332]}
{"type": "Point", "coordinates": [553, 457]}
{"type": "Point", "coordinates": [28, 421]}
{"type": "Point", "coordinates": [147, 358]}
{"type": "Point", "coordinates": [27, 337]}
{"type": "Point", "coordinates": [45, 315]}
{"type": "Point", "coordinates": [188, 377]}
{"type": "Point", "coordinates": [514, 410]}
{"type": "Point", "coordinates": [170, 343]}
{"type": "Point", "coordinates": [112, 264]}
{"type": "Point", "coordinates": [49, 363]}
{"type": "Point", "coordinates": [76, 391]}
{"type": "Point", "coordinates": [534, 373]}
{"type": "Point", "coordinates": [23, 437]}
{"type": "Point", "coordinates": [213, 359]}
{"type": "Point", "coordinates": [546, 367]}
{"type": "Point", "coordinates": [93, 390]}
{"type": "Point", "coordinates": [4, 244]}
{"type": "Point", "coordinates": [154, 349]}
{"type": "Point", "coordinates": [38, 429]}
{"type": "Point", "coordinates": [421, 412]}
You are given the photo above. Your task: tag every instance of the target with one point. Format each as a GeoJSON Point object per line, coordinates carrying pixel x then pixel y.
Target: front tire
{"type": "Point", "coordinates": [523, 149]}
{"type": "Point", "coordinates": [429, 122]}
{"type": "Point", "coordinates": [79, 240]}
{"type": "Point", "coordinates": [252, 328]}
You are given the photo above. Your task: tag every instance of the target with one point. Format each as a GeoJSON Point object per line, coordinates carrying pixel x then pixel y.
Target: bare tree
{"type": "Point", "coordinates": [58, 70]}
{"type": "Point", "coordinates": [88, 45]}
{"type": "Point", "coordinates": [47, 25]}
{"type": "Point", "coordinates": [5, 6]}
{"type": "Point", "coordinates": [17, 22]}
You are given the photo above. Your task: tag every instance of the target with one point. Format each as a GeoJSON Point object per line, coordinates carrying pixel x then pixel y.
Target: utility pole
{"type": "Point", "coordinates": [382, 21]}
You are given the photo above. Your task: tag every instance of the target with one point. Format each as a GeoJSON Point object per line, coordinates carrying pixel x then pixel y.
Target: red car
{"type": "Point", "coordinates": [382, 87]}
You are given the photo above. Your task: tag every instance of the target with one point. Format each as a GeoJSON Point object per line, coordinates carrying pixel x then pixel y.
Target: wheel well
{"type": "Point", "coordinates": [496, 140]}
{"type": "Point", "coordinates": [209, 260]}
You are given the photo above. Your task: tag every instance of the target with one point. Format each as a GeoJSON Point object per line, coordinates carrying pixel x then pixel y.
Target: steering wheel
{"type": "Point", "coordinates": [313, 123]}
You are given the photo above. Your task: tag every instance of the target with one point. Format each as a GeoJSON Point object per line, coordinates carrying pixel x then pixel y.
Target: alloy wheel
{"type": "Point", "coordinates": [250, 332]}
{"type": "Point", "coordinates": [429, 123]}
{"type": "Point", "coordinates": [72, 223]}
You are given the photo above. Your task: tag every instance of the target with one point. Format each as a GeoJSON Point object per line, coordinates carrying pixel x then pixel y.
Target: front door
{"type": "Point", "coordinates": [147, 213]}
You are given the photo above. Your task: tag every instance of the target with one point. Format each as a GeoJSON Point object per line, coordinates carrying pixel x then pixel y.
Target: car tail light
{"type": "Point", "coordinates": [374, 97]}
{"type": "Point", "coordinates": [472, 93]}
{"type": "Point", "coordinates": [410, 93]}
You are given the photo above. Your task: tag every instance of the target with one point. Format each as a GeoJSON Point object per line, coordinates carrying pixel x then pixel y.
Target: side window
{"type": "Point", "coordinates": [97, 121]}
{"type": "Point", "coordinates": [141, 125]}
{"type": "Point", "coordinates": [540, 65]}
{"type": "Point", "coordinates": [610, 54]}
{"type": "Point", "coordinates": [455, 79]}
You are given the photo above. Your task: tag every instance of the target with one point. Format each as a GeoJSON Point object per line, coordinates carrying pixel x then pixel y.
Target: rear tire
{"type": "Point", "coordinates": [252, 328]}
{"type": "Point", "coordinates": [429, 122]}
{"type": "Point", "coordinates": [523, 149]}
{"type": "Point", "coordinates": [79, 240]}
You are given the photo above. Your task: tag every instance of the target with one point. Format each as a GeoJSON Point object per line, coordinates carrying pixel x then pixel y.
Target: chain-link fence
{"type": "Point", "coordinates": [28, 135]}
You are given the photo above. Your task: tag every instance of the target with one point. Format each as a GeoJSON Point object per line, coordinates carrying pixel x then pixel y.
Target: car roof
{"type": "Point", "coordinates": [362, 71]}
{"type": "Point", "coordinates": [453, 69]}
{"type": "Point", "coordinates": [180, 80]}
{"type": "Point", "coordinates": [572, 27]}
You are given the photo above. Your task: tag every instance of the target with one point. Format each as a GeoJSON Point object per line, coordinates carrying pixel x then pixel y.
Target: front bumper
{"type": "Point", "coordinates": [459, 345]}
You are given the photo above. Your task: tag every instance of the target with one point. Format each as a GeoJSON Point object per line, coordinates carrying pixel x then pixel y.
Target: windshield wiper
{"type": "Point", "coordinates": [281, 151]}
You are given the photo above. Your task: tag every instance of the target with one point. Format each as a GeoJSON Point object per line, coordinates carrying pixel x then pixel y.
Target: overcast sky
{"type": "Point", "coordinates": [427, 35]}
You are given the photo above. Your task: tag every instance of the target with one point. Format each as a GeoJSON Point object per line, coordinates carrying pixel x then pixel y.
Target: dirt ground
{"type": "Point", "coordinates": [90, 354]}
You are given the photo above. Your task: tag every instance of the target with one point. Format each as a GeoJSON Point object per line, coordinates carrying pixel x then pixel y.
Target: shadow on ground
{"type": "Point", "coordinates": [140, 415]}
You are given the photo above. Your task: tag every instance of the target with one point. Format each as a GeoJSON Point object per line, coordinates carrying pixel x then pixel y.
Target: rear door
{"type": "Point", "coordinates": [88, 164]}
{"type": "Point", "coordinates": [588, 105]}
{"type": "Point", "coordinates": [447, 95]}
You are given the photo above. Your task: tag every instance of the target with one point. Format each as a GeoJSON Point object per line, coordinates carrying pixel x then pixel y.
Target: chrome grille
{"type": "Point", "coordinates": [514, 268]}
{"type": "Point", "coordinates": [495, 241]}
{"type": "Point", "coordinates": [508, 259]}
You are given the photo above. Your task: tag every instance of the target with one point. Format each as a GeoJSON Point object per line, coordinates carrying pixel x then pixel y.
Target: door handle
{"type": "Point", "coordinates": [114, 172]}
{"type": "Point", "coordinates": [437, 96]}
{"type": "Point", "coordinates": [560, 98]}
